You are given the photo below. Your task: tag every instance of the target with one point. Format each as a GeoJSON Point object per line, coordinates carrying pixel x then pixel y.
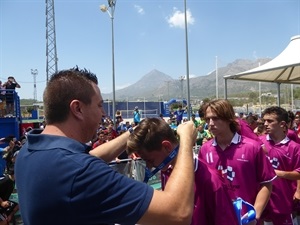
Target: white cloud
{"type": "Point", "coordinates": [139, 9]}
{"type": "Point", "coordinates": [108, 90]}
{"type": "Point", "coordinates": [177, 18]}
{"type": "Point", "coordinates": [185, 76]}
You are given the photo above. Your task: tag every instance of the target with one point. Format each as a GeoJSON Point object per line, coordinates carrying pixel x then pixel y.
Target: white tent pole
{"type": "Point", "coordinates": [292, 96]}
{"type": "Point", "coordinates": [259, 92]}
{"type": "Point", "coordinates": [278, 93]}
{"type": "Point", "coordinates": [217, 84]}
{"type": "Point", "coordinates": [225, 90]}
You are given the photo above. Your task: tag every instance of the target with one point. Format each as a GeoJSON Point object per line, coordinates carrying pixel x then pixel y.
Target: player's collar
{"type": "Point", "coordinates": [283, 141]}
{"type": "Point", "coordinates": [235, 140]}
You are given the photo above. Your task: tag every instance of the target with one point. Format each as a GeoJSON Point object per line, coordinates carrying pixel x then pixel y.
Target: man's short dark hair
{"type": "Point", "coordinates": [62, 88]}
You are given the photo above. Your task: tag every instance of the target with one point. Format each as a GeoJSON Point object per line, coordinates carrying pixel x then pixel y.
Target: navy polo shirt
{"type": "Point", "coordinates": [59, 183]}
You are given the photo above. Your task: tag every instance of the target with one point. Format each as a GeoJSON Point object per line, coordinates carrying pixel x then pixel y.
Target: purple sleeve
{"type": "Point", "coordinates": [296, 158]}
{"type": "Point", "coordinates": [293, 136]}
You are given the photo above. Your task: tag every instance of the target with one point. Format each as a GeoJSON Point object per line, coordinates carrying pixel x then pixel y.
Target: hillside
{"type": "Point", "coordinates": [158, 85]}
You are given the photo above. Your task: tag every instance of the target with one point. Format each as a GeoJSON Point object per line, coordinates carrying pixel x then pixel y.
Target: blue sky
{"type": "Point", "coordinates": [149, 34]}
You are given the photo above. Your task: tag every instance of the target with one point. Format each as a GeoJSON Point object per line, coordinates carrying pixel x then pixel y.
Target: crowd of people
{"type": "Point", "coordinates": [8, 207]}
{"type": "Point", "coordinates": [257, 157]}
{"type": "Point", "coordinates": [249, 157]}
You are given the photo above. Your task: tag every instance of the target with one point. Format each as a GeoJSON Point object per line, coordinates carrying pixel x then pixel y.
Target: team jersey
{"type": "Point", "coordinates": [212, 204]}
{"type": "Point", "coordinates": [243, 164]}
{"type": "Point", "coordinates": [283, 156]}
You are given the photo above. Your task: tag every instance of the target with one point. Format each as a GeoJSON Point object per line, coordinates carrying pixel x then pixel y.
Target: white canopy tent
{"type": "Point", "coordinates": [285, 68]}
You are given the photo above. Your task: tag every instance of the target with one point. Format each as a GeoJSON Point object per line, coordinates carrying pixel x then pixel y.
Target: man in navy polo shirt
{"type": "Point", "coordinates": [58, 182]}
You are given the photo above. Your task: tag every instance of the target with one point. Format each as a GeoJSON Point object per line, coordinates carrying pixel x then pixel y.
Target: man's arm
{"type": "Point", "coordinates": [110, 150]}
{"type": "Point", "coordinates": [297, 192]}
{"type": "Point", "coordinates": [262, 198]}
{"type": "Point", "coordinates": [289, 175]}
{"type": "Point", "coordinates": [175, 204]}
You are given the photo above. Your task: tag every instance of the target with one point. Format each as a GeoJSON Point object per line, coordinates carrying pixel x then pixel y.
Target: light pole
{"type": "Point", "coordinates": [181, 78]}
{"type": "Point", "coordinates": [187, 63]}
{"type": "Point", "coordinates": [168, 83]}
{"type": "Point", "coordinates": [34, 73]}
{"type": "Point", "coordinates": [110, 9]}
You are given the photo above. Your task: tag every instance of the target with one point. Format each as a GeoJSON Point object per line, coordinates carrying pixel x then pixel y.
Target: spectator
{"type": "Point", "coordinates": [245, 130]}
{"type": "Point", "coordinates": [260, 129]}
{"type": "Point", "coordinates": [10, 156]}
{"type": "Point", "coordinates": [71, 186]}
{"type": "Point", "coordinates": [196, 122]}
{"type": "Point", "coordinates": [162, 116]}
{"type": "Point", "coordinates": [241, 115]}
{"type": "Point", "coordinates": [291, 133]}
{"type": "Point", "coordinates": [102, 138]}
{"type": "Point", "coordinates": [201, 118]}
{"type": "Point", "coordinates": [155, 142]}
{"type": "Point", "coordinates": [136, 116]}
{"type": "Point", "coordinates": [111, 133]}
{"type": "Point", "coordinates": [203, 135]}
{"type": "Point", "coordinates": [284, 155]}
{"type": "Point", "coordinates": [179, 114]}
{"type": "Point", "coordinates": [7, 207]}
{"type": "Point", "coordinates": [10, 86]}
{"type": "Point", "coordinates": [252, 121]}
{"type": "Point", "coordinates": [119, 116]}
{"type": "Point", "coordinates": [2, 100]}
{"type": "Point", "coordinates": [296, 123]}
{"type": "Point", "coordinates": [119, 119]}
{"type": "Point", "coordinates": [239, 159]}
{"type": "Point", "coordinates": [128, 125]}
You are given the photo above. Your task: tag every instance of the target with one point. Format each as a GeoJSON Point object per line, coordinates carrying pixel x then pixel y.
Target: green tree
{"type": "Point", "coordinates": [253, 96]}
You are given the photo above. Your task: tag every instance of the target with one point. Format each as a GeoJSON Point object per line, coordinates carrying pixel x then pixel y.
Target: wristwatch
{"type": "Point", "coordinates": [130, 129]}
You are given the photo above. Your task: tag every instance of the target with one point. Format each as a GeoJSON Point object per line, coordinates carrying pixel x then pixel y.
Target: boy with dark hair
{"type": "Point", "coordinates": [284, 155]}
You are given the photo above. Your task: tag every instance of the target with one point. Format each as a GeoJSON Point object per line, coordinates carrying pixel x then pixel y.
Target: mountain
{"type": "Point", "coordinates": [157, 85]}
{"type": "Point", "coordinates": [145, 87]}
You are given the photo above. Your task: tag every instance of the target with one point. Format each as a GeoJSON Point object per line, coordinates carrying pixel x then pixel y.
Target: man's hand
{"type": "Point", "coordinates": [5, 204]}
{"type": "Point", "coordinates": [187, 129]}
{"type": "Point", "coordinates": [297, 196]}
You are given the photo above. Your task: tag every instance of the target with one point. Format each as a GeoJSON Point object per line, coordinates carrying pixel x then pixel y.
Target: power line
{"type": "Point", "coordinates": [25, 82]}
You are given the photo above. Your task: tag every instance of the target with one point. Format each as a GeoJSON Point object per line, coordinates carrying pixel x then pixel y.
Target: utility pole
{"type": "Point", "coordinates": [110, 9]}
{"type": "Point", "coordinates": [51, 53]}
{"type": "Point", "coordinates": [168, 83]}
{"type": "Point", "coordinates": [34, 73]}
{"type": "Point", "coordinates": [181, 78]}
{"type": "Point", "coordinates": [187, 64]}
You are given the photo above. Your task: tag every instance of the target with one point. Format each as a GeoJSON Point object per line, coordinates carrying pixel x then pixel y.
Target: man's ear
{"type": "Point", "coordinates": [283, 124]}
{"type": "Point", "coordinates": [167, 146]}
{"type": "Point", "coordinates": [76, 109]}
